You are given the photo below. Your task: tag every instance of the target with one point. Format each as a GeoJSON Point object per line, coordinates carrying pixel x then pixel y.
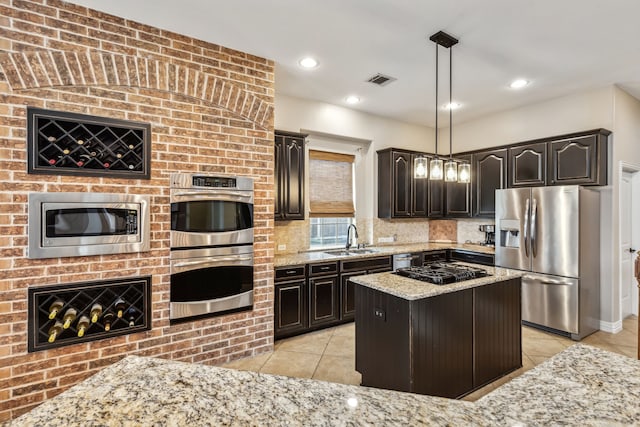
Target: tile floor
{"type": "Point", "coordinates": [329, 354]}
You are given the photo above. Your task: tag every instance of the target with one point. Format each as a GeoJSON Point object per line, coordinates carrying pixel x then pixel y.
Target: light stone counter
{"type": "Point", "coordinates": [411, 289]}
{"type": "Point", "coordinates": [581, 386]}
{"type": "Point", "coordinates": [319, 256]}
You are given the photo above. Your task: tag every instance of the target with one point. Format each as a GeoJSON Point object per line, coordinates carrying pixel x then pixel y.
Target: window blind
{"type": "Point", "coordinates": [330, 184]}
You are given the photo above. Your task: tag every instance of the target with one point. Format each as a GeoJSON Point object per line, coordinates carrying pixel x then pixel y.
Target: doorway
{"type": "Point", "coordinates": [629, 238]}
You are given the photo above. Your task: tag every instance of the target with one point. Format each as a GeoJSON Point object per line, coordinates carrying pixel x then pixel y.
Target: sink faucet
{"type": "Point", "coordinates": [355, 231]}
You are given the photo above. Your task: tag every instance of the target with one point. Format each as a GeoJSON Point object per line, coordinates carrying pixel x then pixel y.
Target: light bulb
{"type": "Point", "coordinates": [450, 171]}
{"type": "Point", "coordinates": [464, 173]}
{"type": "Point", "coordinates": [436, 169]}
{"type": "Point", "coordinates": [420, 167]}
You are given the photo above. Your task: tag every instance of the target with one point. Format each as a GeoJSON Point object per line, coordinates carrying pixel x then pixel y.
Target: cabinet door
{"type": "Point", "coordinates": [435, 197]}
{"type": "Point", "coordinates": [290, 308]}
{"type": "Point", "coordinates": [278, 154]}
{"type": "Point", "coordinates": [458, 196]}
{"type": "Point", "coordinates": [528, 165]}
{"type": "Point", "coordinates": [293, 179]}
{"type": "Point", "coordinates": [402, 178]}
{"type": "Point", "coordinates": [490, 174]}
{"type": "Point", "coordinates": [324, 300]}
{"type": "Point", "coordinates": [574, 161]}
{"type": "Point", "coordinates": [347, 294]}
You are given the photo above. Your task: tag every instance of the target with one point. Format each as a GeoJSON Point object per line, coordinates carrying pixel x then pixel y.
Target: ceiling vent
{"type": "Point", "coordinates": [381, 79]}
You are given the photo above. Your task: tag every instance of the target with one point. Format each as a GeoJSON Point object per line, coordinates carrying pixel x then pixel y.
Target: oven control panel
{"type": "Point", "coordinates": [213, 181]}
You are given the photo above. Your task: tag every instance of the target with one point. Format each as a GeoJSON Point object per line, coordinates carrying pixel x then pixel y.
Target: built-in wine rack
{"type": "Point", "coordinates": [79, 312]}
{"type": "Point", "coordinates": [64, 143]}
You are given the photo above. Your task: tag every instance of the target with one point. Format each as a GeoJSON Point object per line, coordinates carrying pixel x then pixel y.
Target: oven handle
{"type": "Point", "coordinates": [211, 195]}
{"type": "Point", "coordinates": [215, 261]}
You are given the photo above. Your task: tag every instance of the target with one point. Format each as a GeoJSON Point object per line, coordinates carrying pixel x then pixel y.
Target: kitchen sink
{"type": "Point", "coordinates": [347, 252]}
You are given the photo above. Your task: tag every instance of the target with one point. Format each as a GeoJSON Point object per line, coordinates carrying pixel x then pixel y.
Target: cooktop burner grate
{"type": "Point", "coordinates": [440, 273]}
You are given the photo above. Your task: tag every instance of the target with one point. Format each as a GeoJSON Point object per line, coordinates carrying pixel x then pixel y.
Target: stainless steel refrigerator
{"type": "Point", "coordinates": [553, 233]}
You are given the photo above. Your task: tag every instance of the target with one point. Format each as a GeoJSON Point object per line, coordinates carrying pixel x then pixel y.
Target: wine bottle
{"type": "Point", "coordinates": [55, 308]}
{"type": "Point", "coordinates": [51, 139]}
{"type": "Point", "coordinates": [69, 317]}
{"type": "Point", "coordinates": [80, 142]}
{"type": "Point", "coordinates": [96, 312]}
{"type": "Point", "coordinates": [107, 319]}
{"type": "Point", "coordinates": [131, 317]}
{"type": "Point", "coordinates": [119, 306]}
{"type": "Point", "coordinates": [55, 331]}
{"type": "Point", "coordinates": [83, 325]}
{"type": "Point", "coordinates": [65, 151]}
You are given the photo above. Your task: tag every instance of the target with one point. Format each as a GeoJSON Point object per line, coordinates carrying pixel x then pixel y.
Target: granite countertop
{"type": "Point", "coordinates": [411, 289]}
{"type": "Point", "coordinates": [579, 386]}
{"type": "Point", "coordinates": [319, 256]}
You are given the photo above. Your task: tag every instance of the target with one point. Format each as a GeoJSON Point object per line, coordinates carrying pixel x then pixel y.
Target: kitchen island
{"type": "Point", "coordinates": [579, 386]}
{"type": "Point", "coordinates": [443, 340]}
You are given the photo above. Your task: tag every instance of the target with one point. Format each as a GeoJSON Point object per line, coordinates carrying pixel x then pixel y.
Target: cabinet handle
{"type": "Point", "coordinates": [325, 268]}
{"type": "Point", "coordinates": [291, 272]}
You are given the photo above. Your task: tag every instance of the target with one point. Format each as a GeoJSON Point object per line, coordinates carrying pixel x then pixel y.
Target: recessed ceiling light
{"type": "Point", "coordinates": [452, 106]}
{"type": "Point", "coordinates": [518, 84]}
{"type": "Point", "coordinates": [308, 62]}
{"type": "Point", "coordinates": [352, 99]}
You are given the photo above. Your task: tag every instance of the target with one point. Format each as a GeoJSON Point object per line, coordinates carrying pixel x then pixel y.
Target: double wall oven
{"type": "Point", "coordinates": [211, 245]}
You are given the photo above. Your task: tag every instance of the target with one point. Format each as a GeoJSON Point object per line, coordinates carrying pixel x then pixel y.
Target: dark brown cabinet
{"type": "Point", "coordinates": [528, 165]}
{"type": "Point", "coordinates": [578, 160]}
{"type": "Point", "coordinates": [458, 196]}
{"type": "Point", "coordinates": [289, 175]}
{"type": "Point", "coordinates": [351, 268]}
{"type": "Point", "coordinates": [400, 195]}
{"type": "Point", "coordinates": [489, 174]}
{"type": "Point", "coordinates": [435, 199]}
{"type": "Point", "coordinates": [291, 312]}
{"type": "Point", "coordinates": [447, 345]}
{"type": "Point", "coordinates": [324, 300]}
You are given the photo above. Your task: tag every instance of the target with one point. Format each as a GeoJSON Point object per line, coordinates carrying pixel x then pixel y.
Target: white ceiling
{"type": "Point", "coordinates": [561, 46]}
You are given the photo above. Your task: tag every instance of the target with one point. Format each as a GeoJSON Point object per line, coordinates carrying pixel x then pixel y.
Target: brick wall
{"type": "Point", "coordinates": [211, 110]}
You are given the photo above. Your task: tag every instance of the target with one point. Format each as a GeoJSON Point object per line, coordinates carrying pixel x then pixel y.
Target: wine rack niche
{"type": "Point", "coordinates": [50, 305]}
{"type": "Point", "coordinates": [64, 143]}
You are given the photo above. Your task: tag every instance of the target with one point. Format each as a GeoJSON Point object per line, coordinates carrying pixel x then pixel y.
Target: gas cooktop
{"type": "Point", "coordinates": [442, 273]}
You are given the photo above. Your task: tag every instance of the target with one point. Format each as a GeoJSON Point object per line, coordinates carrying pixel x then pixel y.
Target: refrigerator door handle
{"type": "Point", "coordinates": [525, 232]}
{"type": "Point", "coordinates": [534, 228]}
{"type": "Point", "coordinates": [547, 281]}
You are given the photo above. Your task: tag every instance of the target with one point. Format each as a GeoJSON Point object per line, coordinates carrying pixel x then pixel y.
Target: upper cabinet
{"type": "Point", "coordinates": [400, 195]}
{"type": "Point", "coordinates": [458, 196]}
{"type": "Point", "coordinates": [289, 175]}
{"type": "Point", "coordinates": [528, 165]}
{"type": "Point", "coordinates": [578, 160]}
{"type": "Point", "coordinates": [489, 170]}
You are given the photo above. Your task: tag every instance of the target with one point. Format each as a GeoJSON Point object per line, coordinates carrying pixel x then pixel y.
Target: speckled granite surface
{"type": "Point", "coordinates": [308, 257]}
{"type": "Point", "coordinates": [411, 289]}
{"type": "Point", "coordinates": [581, 386]}
{"type": "Point", "coordinates": [145, 391]}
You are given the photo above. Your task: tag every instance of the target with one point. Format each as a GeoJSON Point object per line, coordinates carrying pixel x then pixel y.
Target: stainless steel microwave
{"type": "Point", "coordinates": [82, 224]}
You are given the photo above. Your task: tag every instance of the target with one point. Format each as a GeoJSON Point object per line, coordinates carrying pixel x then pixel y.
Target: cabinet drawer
{"type": "Point", "coordinates": [366, 264]}
{"type": "Point", "coordinates": [472, 257]}
{"type": "Point", "coordinates": [290, 272]}
{"type": "Point", "coordinates": [323, 269]}
{"type": "Point", "coordinates": [432, 256]}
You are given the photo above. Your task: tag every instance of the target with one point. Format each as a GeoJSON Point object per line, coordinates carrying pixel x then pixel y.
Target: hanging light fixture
{"type": "Point", "coordinates": [451, 171]}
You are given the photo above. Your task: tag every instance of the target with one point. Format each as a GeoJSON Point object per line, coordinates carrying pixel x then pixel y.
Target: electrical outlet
{"type": "Point", "coordinates": [282, 247]}
{"type": "Point", "coordinates": [380, 314]}
{"type": "Point", "coordinates": [385, 240]}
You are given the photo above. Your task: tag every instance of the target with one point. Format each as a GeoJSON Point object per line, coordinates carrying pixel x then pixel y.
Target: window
{"type": "Point", "coordinates": [331, 197]}
{"type": "Point", "coordinates": [329, 231]}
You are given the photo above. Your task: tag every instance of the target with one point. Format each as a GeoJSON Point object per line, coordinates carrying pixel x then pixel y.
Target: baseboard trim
{"type": "Point", "coordinates": [612, 327]}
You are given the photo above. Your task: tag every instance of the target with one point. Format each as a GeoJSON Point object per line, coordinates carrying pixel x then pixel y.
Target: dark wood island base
{"type": "Point", "coordinates": [445, 345]}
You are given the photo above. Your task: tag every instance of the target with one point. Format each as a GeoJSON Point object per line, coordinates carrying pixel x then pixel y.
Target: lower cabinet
{"type": "Point", "coordinates": [447, 345]}
{"type": "Point", "coordinates": [290, 305]}
{"type": "Point", "coordinates": [324, 300]}
{"type": "Point", "coordinates": [319, 295]}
